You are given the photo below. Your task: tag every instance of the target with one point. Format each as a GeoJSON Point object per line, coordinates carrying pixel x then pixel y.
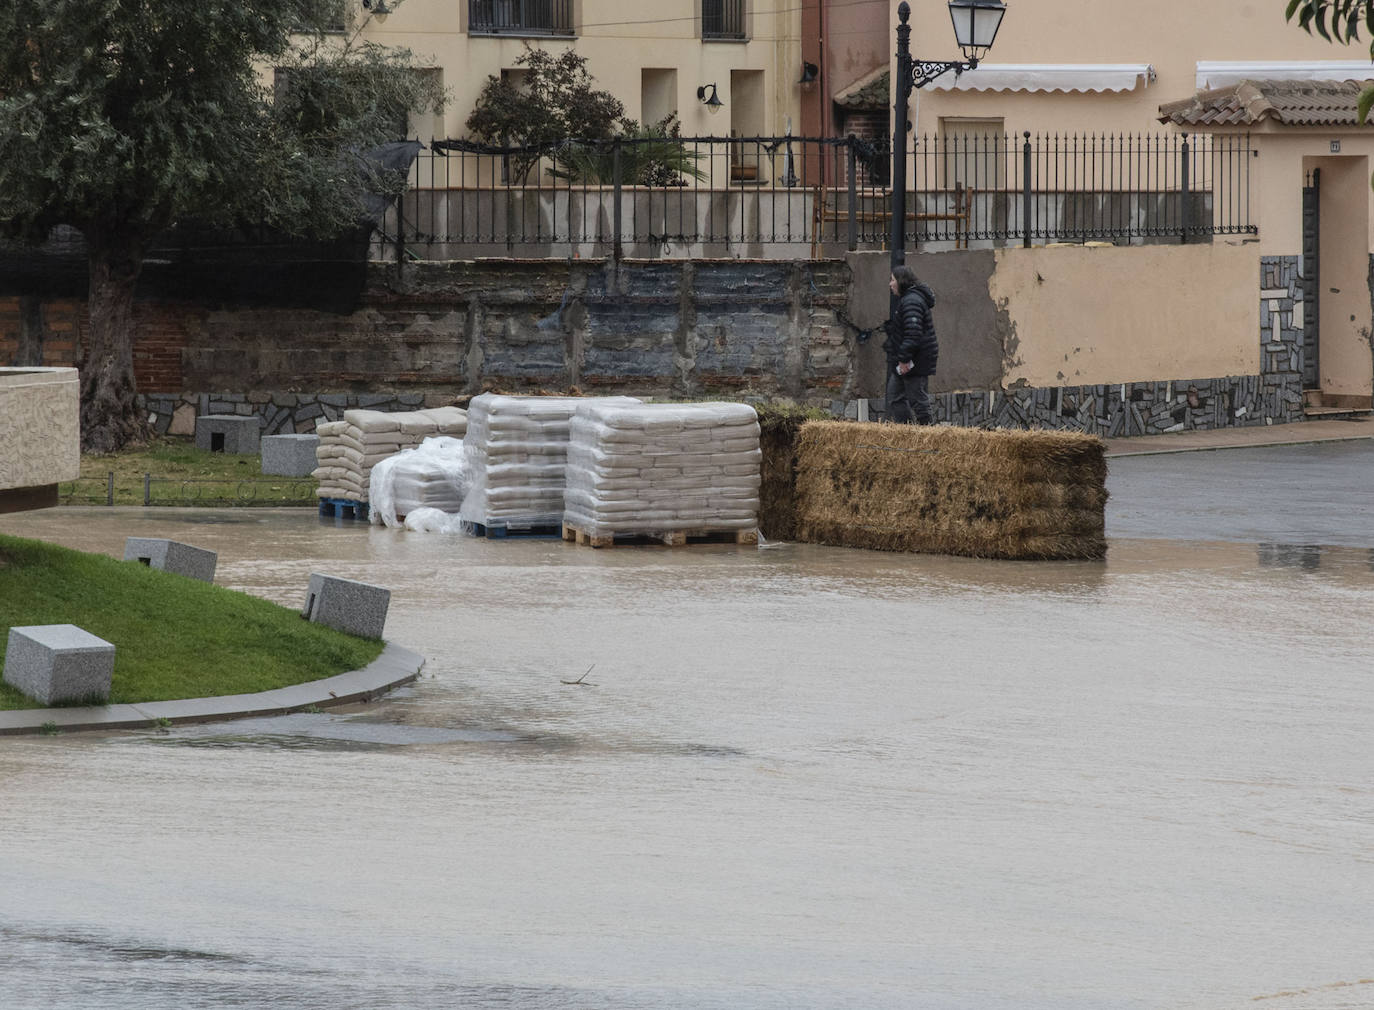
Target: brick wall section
{"type": "Point", "coordinates": [163, 333]}
{"type": "Point", "coordinates": [63, 322]}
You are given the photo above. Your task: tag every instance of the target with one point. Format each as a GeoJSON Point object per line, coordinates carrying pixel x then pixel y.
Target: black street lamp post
{"type": "Point", "coordinates": [975, 26]}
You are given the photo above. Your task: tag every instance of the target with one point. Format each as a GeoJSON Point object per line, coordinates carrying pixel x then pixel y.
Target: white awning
{"type": "Point", "coordinates": [1048, 77]}
{"type": "Point", "coordinates": [1213, 74]}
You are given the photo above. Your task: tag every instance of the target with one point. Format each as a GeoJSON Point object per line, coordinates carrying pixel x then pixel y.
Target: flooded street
{"type": "Point", "coordinates": [792, 777]}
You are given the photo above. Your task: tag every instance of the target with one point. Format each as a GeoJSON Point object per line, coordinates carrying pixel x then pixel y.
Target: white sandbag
{"type": "Point", "coordinates": [662, 468]}
{"type": "Point", "coordinates": [516, 452]}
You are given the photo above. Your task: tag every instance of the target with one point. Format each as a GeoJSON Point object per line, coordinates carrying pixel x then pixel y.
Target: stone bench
{"type": "Point", "coordinates": [289, 455]}
{"type": "Point", "coordinates": [170, 556]}
{"type": "Point", "coordinates": [354, 607]}
{"type": "Point", "coordinates": [54, 663]}
{"type": "Point", "coordinates": [228, 433]}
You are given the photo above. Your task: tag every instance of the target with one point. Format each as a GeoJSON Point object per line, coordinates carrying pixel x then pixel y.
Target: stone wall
{"type": "Point", "coordinates": [738, 329]}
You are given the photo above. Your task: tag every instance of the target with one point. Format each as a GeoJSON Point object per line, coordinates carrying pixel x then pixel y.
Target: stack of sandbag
{"type": "Point", "coordinates": [429, 476]}
{"type": "Point", "coordinates": [349, 448]}
{"type": "Point", "coordinates": [516, 453]}
{"type": "Point", "coordinates": [654, 468]}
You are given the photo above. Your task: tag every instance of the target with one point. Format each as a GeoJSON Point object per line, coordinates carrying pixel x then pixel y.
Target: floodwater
{"type": "Point", "coordinates": [790, 777]}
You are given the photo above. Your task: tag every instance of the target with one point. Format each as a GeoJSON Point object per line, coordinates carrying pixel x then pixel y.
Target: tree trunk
{"type": "Point", "coordinates": [109, 418]}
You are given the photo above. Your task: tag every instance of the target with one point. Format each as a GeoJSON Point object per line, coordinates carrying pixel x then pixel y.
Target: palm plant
{"type": "Point", "coordinates": [651, 155]}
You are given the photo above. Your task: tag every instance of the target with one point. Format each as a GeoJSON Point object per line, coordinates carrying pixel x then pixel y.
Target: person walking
{"type": "Point", "coordinates": [912, 349]}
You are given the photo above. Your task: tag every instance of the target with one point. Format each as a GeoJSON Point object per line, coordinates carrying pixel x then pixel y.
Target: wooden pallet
{"type": "Point", "coordinates": [549, 532]}
{"type": "Point", "coordinates": [674, 538]}
{"type": "Point", "coordinates": [344, 508]}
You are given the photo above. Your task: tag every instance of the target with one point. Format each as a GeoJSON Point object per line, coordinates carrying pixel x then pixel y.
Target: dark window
{"type": "Point", "coordinates": [520, 17]}
{"type": "Point", "coordinates": [722, 19]}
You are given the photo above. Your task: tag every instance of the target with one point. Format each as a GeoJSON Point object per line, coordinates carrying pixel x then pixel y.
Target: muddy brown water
{"type": "Point", "coordinates": [793, 777]}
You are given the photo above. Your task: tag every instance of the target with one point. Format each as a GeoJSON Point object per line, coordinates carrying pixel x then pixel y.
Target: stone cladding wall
{"type": "Point", "coordinates": [1155, 407]}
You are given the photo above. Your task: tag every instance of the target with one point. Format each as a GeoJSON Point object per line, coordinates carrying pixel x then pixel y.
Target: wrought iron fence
{"type": "Point", "coordinates": [184, 492]}
{"type": "Point", "coordinates": [806, 196]}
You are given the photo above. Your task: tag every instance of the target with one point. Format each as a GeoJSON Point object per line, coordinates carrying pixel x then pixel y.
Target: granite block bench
{"type": "Point", "coordinates": [171, 556]}
{"type": "Point", "coordinates": [289, 455]}
{"type": "Point", "coordinates": [354, 607]}
{"type": "Point", "coordinates": [54, 663]}
{"type": "Point", "coordinates": [228, 433]}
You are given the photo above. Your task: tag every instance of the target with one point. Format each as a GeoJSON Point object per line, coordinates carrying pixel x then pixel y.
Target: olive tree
{"type": "Point", "coordinates": [122, 117]}
{"type": "Point", "coordinates": [556, 100]}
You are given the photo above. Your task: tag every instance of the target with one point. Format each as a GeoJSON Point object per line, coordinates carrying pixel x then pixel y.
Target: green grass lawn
{"type": "Point", "coordinates": [185, 475]}
{"type": "Point", "coordinates": [174, 637]}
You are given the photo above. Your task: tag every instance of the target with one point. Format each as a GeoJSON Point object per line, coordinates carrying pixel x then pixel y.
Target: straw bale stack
{"type": "Point", "coordinates": [780, 426]}
{"type": "Point", "coordinates": [1029, 495]}
{"type": "Point", "coordinates": [516, 455]}
{"type": "Point", "coordinates": [349, 448]}
{"type": "Point", "coordinates": [653, 468]}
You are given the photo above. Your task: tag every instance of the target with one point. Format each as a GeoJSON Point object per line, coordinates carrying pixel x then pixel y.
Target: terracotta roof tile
{"type": "Point", "coordinates": [1291, 103]}
{"type": "Point", "coordinates": [872, 91]}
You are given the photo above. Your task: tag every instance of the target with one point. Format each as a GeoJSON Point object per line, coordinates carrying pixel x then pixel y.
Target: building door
{"type": "Point", "coordinates": [1311, 279]}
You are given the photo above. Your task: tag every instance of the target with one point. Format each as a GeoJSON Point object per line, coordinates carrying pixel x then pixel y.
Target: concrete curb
{"type": "Point", "coordinates": [394, 667]}
{"type": "Point", "coordinates": [1123, 452]}
{"type": "Point", "coordinates": [1253, 437]}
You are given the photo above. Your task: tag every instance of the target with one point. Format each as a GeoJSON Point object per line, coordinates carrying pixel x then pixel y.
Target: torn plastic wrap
{"type": "Point", "coordinates": [428, 477]}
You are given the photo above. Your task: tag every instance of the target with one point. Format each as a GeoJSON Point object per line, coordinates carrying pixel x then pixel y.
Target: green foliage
{"type": "Point", "coordinates": [1338, 21]}
{"type": "Point", "coordinates": [120, 117]}
{"type": "Point", "coordinates": [174, 637]}
{"type": "Point", "coordinates": [649, 156]}
{"type": "Point", "coordinates": [555, 100]}
{"type": "Point", "coordinates": [1334, 20]}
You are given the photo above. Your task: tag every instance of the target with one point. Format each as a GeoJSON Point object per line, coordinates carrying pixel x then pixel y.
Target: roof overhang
{"type": "Point", "coordinates": [1215, 74]}
{"type": "Point", "coordinates": [1048, 77]}
{"type": "Point", "coordinates": [1270, 104]}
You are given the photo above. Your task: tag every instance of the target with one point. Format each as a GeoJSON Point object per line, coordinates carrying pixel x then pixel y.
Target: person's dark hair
{"type": "Point", "coordinates": [905, 278]}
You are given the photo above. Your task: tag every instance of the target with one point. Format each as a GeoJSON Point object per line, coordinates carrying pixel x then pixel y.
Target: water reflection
{"type": "Point", "coordinates": [806, 777]}
{"type": "Point", "coordinates": [1308, 557]}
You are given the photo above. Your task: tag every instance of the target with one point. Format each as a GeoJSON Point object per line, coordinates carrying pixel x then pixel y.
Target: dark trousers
{"type": "Point", "coordinates": [908, 399]}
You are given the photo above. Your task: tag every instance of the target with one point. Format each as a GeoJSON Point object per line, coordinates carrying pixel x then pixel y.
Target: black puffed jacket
{"type": "Point", "coordinates": [915, 339]}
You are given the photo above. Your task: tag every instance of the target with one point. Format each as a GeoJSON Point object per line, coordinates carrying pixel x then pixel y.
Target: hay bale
{"type": "Point", "coordinates": [1022, 495]}
{"type": "Point", "coordinates": [780, 427]}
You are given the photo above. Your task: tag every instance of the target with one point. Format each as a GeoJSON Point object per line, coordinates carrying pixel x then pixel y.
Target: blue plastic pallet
{"type": "Point", "coordinates": [548, 532]}
{"type": "Point", "coordinates": [344, 508]}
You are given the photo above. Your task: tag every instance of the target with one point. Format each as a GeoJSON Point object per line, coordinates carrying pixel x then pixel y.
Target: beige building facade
{"type": "Point", "coordinates": [653, 56]}
{"type": "Point", "coordinates": [1060, 69]}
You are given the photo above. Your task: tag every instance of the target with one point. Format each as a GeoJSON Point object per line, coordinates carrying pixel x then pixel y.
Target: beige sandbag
{"type": "Point", "coordinates": [370, 421]}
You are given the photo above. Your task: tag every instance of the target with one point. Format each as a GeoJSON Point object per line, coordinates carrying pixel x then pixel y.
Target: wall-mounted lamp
{"type": "Point", "coordinates": [712, 100]}
{"type": "Point", "coordinates": [809, 73]}
{"type": "Point", "coordinates": [379, 8]}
